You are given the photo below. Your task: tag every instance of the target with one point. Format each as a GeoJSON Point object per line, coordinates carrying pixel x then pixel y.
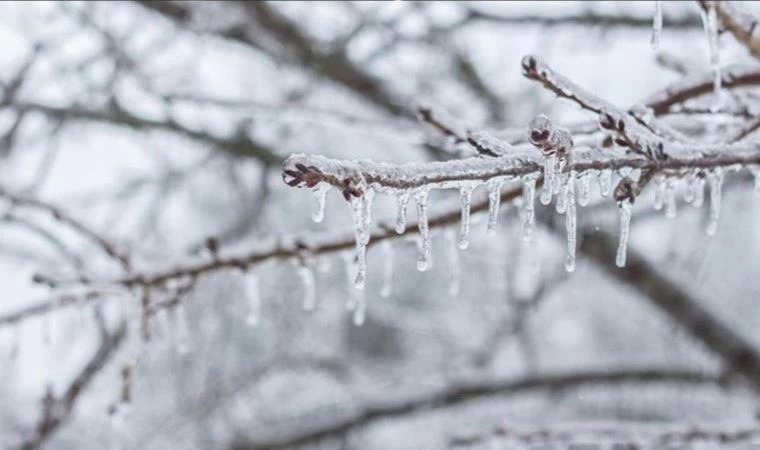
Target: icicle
{"type": "Point", "coordinates": [689, 192]}
{"type": "Point", "coordinates": [254, 299]}
{"type": "Point", "coordinates": [307, 283]}
{"type": "Point", "coordinates": [549, 165]}
{"type": "Point", "coordinates": [362, 209]}
{"type": "Point", "coordinates": [558, 179]}
{"type": "Point", "coordinates": [320, 193]}
{"type": "Point", "coordinates": [456, 271]}
{"type": "Point", "coordinates": [605, 182]}
{"type": "Point", "coordinates": [494, 198]}
{"type": "Point", "coordinates": [423, 261]}
{"type": "Point", "coordinates": [570, 223]}
{"type": "Point", "coordinates": [529, 193]}
{"type": "Point", "coordinates": [465, 193]}
{"type": "Point", "coordinates": [699, 192]}
{"type": "Point", "coordinates": [584, 189]}
{"type": "Point", "coordinates": [387, 288]}
{"type": "Point", "coordinates": [562, 197]}
{"type": "Point", "coordinates": [710, 23]}
{"type": "Point", "coordinates": [659, 195]}
{"type": "Point", "coordinates": [670, 201]}
{"type": "Point", "coordinates": [360, 310]}
{"type": "Point", "coordinates": [716, 188]}
{"type": "Point", "coordinates": [657, 25]}
{"type": "Point", "coordinates": [625, 224]}
{"type": "Point", "coordinates": [367, 198]}
{"type": "Point", "coordinates": [756, 174]}
{"type": "Point", "coordinates": [402, 200]}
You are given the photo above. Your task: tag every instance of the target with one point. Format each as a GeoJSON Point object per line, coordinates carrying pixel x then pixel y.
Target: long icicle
{"type": "Point", "coordinates": [550, 163]}
{"type": "Point", "coordinates": [716, 192]}
{"type": "Point", "coordinates": [456, 271]}
{"type": "Point", "coordinates": [529, 208]}
{"type": "Point", "coordinates": [494, 199]}
{"type": "Point", "coordinates": [423, 261]}
{"type": "Point", "coordinates": [465, 193]}
{"type": "Point", "coordinates": [625, 226]}
{"type": "Point", "coordinates": [570, 223]}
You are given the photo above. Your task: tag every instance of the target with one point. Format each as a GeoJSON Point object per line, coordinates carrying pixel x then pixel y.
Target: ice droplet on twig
{"type": "Point", "coordinates": [657, 25]}
{"type": "Point", "coordinates": [307, 284]}
{"type": "Point", "coordinates": [253, 295]}
{"type": "Point", "coordinates": [494, 199]}
{"type": "Point", "coordinates": [402, 200]}
{"type": "Point", "coordinates": [456, 270]}
{"type": "Point", "coordinates": [546, 192]}
{"type": "Point", "coordinates": [570, 223]}
{"type": "Point", "coordinates": [716, 187]}
{"type": "Point", "coordinates": [388, 262]}
{"type": "Point", "coordinates": [529, 211]}
{"type": "Point", "coordinates": [423, 261]}
{"type": "Point", "coordinates": [362, 212]}
{"type": "Point", "coordinates": [465, 193]}
{"type": "Point", "coordinates": [320, 193]}
{"type": "Point", "coordinates": [605, 182]}
{"type": "Point", "coordinates": [625, 224]}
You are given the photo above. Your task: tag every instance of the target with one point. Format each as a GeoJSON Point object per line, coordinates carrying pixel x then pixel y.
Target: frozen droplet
{"type": "Point", "coordinates": [550, 163]}
{"type": "Point", "coordinates": [715, 177]}
{"type": "Point", "coordinates": [529, 212]}
{"type": "Point", "coordinates": [584, 188]}
{"type": "Point", "coordinates": [465, 194]}
{"type": "Point", "coordinates": [670, 200]}
{"type": "Point", "coordinates": [456, 270]}
{"type": "Point", "coordinates": [402, 200]}
{"type": "Point", "coordinates": [657, 25]}
{"type": "Point", "coordinates": [625, 208]}
{"type": "Point", "coordinates": [423, 261]}
{"type": "Point", "coordinates": [253, 296]}
{"type": "Point", "coordinates": [605, 182]}
{"type": "Point", "coordinates": [320, 193]}
{"type": "Point", "coordinates": [659, 194]}
{"type": "Point", "coordinates": [388, 262]}
{"type": "Point", "coordinates": [570, 223]}
{"type": "Point", "coordinates": [306, 274]}
{"type": "Point", "coordinates": [494, 199]}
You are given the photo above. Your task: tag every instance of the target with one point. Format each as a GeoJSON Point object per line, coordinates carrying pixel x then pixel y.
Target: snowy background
{"type": "Point", "coordinates": [159, 130]}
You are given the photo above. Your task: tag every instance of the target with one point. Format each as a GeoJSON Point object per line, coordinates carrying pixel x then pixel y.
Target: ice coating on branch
{"type": "Point", "coordinates": [456, 271]}
{"type": "Point", "coordinates": [657, 25]}
{"type": "Point", "coordinates": [388, 262]}
{"type": "Point", "coordinates": [570, 222]}
{"type": "Point", "coordinates": [423, 261]}
{"type": "Point", "coordinates": [320, 193]}
{"type": "Point", "coordinates": [584, 188]}
{"type": "Point", "coordinates": [625, 208]}
{"type": "Point", "coordinates": [529, 211]}
{"type": "Point", "coordinates": [659, 194]}
{"type": "Point", "coordinates": [605, 182]}
{"type": "Point", "coordinates": [494, 199]}
{"type": "Point", "coordinates": [306, 274]}
{"type": "Point", "coordinates": [402, 200]}
{"type": "Point", "coordinates": [670, 200]}
{"type": "Point", "coordinates": [465, 194]}
{"type": "Point", "coordinates": [253, 296]}
{"type": "Point", "coordinates": [546, 192]}
{"type": "Point", "coordinates": [489, 145]}
{"type": "Point", "coordinates": [715, 177]}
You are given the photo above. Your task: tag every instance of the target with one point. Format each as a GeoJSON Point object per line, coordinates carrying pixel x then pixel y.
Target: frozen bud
{"type": "Point", "coordinates": [540, 131]}
{"type": "Point", "coordinates": [561, 140]}
{"type": "Point", "coordinates": [530, 66]}
{"type": "Point", "coordinates": [626, 190]}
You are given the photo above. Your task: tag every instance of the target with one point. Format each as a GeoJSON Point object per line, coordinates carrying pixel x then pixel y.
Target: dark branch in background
{"type": "Point", "coordinates": [588, 18]}
{"type": "Point", "coordinates": [458, 395]}
{"type": "Point", "coordinates": [56, 411]}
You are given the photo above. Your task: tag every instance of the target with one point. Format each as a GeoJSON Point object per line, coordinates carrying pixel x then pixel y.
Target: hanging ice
{"type": "Point", "coordinates": [716, 188]}
{"type": "Point", "coordinates": [699, 191]}
{"type": "Point", "coordinates": [710, 23]}
{"type": "Point", "coordinates": [756, 174]}
{"type": "Point", "coordinates": [558, 179]}
{"type": "Point", "coordinates": [670, 200]}
{"type": "Point", "coordinates": [494, 198]}
{"type": "Point", "coordinates": [320, 193]}
{"type": "Point", "coordinates": [307, 284]}
{"type": "Point", "coordinates": [625, 224]}
{"type": "Point", "coordinates": [362, 212]}
{"type": "Point", "coordinates": [254, 299]}
{"type": "Point", "coordinates": [605, 182]}
{"type": "Point", "coordinates": [423, 261]}
{"type": "Point", "coordinates": [570, 223]}
{"type": "Point", "coordinates": [689, 192]}
{"type": "Point", "coordinates": [659, 194]}
{"type": "Point", "coordinates": [402, 200]}
{"type": "Point", "coordinates": [456, 271]}
{"type": "Point", "coordinates": [465, 193]}
{"type": "Point", "coordinates": [549, 166]}
{"type": "Point", "coordinates": [657, 25]}
{"type": "Point", "coordinates": [584, 189]}
{"type": "Point", "coordinates": [562, 197]}
{"type": "Point", "coordinates": [387, 287]}
{"type": "Point", "coordinates": [360, 311]}
{"type": "Point", "coordinates": [529, 194]}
